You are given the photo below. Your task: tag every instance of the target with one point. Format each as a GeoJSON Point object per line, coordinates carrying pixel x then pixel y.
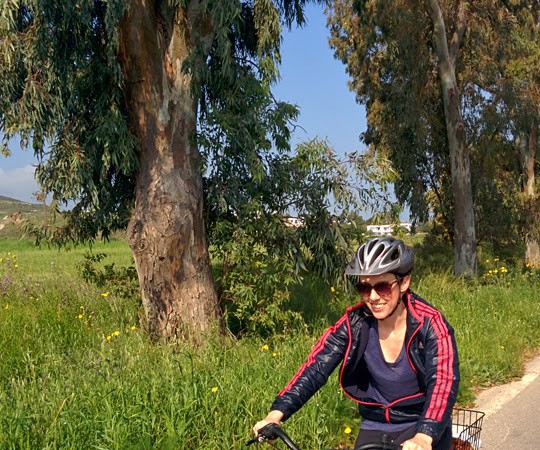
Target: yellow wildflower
{"type": "Point", "coordinates": [332, 289]}
{"type": "Point", "coordinates": [133, 328]}
{"type": "Point", "coordinates": [80, 316]}
{"type": "Point", "coordinates": [109, 338]}
{"type": "Point", "coordinates": [116, 333]}
{"type": "Point", "coordinates": [347, 430]}
{"type": "Point", "coordinates": [264, 347]}
{"type": "Point", "coordinates": [105, 294]}
{"type": "Point", "coordinates": [214, 389]}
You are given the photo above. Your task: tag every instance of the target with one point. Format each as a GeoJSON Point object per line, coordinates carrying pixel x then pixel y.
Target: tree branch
{"type": "Point", "coordinates": [439, 31]}
{"type": "Point", "coordinates": [462, 19]}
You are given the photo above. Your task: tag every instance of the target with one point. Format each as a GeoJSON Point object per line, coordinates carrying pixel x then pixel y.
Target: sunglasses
{"type": "Point", "coordinates": [383, 288]}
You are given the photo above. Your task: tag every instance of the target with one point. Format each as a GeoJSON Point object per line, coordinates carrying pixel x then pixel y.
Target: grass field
{"type": "Point", "coordinates": [76, 370]}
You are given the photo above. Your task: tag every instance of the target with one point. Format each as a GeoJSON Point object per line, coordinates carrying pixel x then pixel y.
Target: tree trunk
{"type": "Point", "coordinates": [166, 232]}
{"type": "Point", "coordinates": [464, 222]}
{"type": "Point", "coordinates": [529, 146]}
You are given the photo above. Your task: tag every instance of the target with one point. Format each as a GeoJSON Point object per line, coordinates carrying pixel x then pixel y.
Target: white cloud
{"type": "Point", "coordinates": [19, 183]}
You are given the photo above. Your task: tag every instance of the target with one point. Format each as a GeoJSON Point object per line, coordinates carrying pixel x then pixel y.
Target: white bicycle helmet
{"type": "Point", "coordinates": [381, 255]}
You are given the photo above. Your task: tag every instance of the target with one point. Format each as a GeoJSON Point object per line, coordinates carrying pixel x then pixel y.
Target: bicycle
{"type": "Point", "coordinates": [273, 431]}
{"type": "Point", "coordinates": [466, 428]}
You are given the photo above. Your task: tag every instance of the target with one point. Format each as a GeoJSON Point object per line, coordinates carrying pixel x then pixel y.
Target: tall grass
{"type": "Point", "coordinates": [76, 371]}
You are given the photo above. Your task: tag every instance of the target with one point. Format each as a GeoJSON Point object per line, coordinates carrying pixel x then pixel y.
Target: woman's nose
{"type": "Point", "coordinates": [373, 294]}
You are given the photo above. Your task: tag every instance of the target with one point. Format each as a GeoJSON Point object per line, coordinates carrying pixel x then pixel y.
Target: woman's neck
{"type": "Point", "coordinates": [395, 321]}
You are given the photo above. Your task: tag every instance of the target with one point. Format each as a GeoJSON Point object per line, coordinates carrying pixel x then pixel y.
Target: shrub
{"type": "Point", "coordinates": [122, 281]}
{"type": "Point", "coordinates": [254, 287]}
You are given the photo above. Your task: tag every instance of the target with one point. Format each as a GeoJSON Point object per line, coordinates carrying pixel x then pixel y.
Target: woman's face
{"type": "Point", "coordinates": [382, 293]}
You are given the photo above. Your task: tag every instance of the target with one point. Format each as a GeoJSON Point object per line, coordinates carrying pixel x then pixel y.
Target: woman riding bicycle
{"type": "Point", "coordinates": [398, 356]}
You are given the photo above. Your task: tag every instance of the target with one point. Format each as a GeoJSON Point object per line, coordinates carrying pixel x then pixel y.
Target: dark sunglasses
{"type": "Point", "coordinates": [383, 288]}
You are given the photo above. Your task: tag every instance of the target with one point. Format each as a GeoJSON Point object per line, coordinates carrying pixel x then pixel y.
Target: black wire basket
{"type": "Point", "coordinates": [466, 428]}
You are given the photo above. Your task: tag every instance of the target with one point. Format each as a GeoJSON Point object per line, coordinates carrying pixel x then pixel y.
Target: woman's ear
{"type": "Point", "coordinates": [405, 283]}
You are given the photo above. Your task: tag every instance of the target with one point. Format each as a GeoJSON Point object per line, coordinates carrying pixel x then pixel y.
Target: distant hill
{"type": "Point", "coordinates": [10, 206]}
{"type": "Point", "coordinates": [33, 212]}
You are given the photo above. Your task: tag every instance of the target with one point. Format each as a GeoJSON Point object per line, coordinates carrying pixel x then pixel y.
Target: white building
{"type": "Point", "coordinates": [293, 222]}
{"type": "Point", "coordinates": [387, 230]}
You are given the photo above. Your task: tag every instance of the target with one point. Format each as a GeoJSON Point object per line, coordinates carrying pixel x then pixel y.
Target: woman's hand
{"type": "Point", "coordinates": [272, 417]}
{"type": "Point", "coordinates": [420, 441]}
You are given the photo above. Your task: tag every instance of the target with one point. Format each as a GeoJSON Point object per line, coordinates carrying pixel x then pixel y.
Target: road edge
{"type": "Point", "coordinates": [492, 399]}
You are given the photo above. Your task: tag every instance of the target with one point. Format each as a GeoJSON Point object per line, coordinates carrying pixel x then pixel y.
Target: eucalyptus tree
{"type": "Point", "coordinates": [499, 69]}
{"type": "Point", "coordinates": [449, 86]}
{"type": "Point", "coordinates": [402, 58]}
{"type": "Point", "coordinates": [447, 45]}
{"type": "Point", "coordinates": [518, 88]}
{"type": "Point", "coordinates": [109, 94]}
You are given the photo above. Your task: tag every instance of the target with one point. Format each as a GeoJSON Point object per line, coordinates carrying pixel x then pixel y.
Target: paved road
{"type": "Point", "coordinates": [512, 420]}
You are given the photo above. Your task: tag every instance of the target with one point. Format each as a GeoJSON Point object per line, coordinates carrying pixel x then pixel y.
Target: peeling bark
{"type": "Point", "coordinates": [464, 223]}
{"type": "Point", "coordinates": [166, 232]}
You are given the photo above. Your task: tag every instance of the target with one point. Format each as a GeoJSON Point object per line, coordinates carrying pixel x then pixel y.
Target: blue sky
{"type": "Point", "coordinates": [310, 78]}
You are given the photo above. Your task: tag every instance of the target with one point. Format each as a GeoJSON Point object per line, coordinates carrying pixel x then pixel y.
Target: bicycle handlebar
{"type": "Point", "coordinates": [273, 431]}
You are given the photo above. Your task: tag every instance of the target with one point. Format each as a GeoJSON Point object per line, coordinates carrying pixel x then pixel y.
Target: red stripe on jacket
{"type": "Point", "coordinates": [445, 356]}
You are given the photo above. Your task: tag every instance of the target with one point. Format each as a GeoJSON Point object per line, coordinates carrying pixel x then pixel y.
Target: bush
{"type": "Point", "coordinates": [254, 288]}
{"type": "Point", "coordinates": [122, 281]}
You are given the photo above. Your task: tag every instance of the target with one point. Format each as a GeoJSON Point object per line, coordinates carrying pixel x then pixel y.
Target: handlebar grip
{"type": "Point", "coordinates": [252, 441]}
{"type": "Point", "coordinates": [273, 431]}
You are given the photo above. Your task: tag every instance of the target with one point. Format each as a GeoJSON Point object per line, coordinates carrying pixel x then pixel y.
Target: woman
{"type": "Point", "coordinates": [398, 356]}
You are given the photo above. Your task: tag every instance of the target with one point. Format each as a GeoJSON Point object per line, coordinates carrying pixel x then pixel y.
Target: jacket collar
{"type": "Point", "coordinates": [414, 320]}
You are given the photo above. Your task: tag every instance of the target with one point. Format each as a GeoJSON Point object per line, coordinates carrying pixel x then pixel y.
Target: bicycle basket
{"type": "Point", "coordinates": [466, 428]}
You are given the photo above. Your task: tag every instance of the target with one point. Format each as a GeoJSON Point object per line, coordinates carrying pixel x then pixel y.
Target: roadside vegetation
{"type": "Point", "coordinates": [77, 369]}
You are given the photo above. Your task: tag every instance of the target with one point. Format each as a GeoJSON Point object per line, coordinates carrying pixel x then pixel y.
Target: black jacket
{"type": "Point", "coordinates": [431, 351]}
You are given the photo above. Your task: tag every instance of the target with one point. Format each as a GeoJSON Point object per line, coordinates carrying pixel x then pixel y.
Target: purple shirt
{"type": "Point", "coordinates": [388, 381]}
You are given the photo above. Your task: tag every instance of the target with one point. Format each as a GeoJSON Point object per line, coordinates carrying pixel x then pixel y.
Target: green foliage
{"type": "Point", "coordinates": [260, 253]}
{"type": "Point", "coordinates": [61, 93]}
{"type": "Point", "coordinates": [255, 287]}
{"type": "Point", "coordinates": [433, 254]}
{"type": "Point", "coordinates": [394, 72]}
{"type": "Point", "coordinates": [123, 281]}
{"type": "Point", "coordinates": [73, 92]}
